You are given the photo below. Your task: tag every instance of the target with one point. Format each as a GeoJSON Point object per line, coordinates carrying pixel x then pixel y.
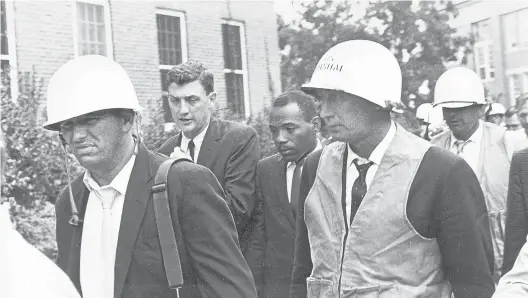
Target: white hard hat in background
{"type": "Point", "coordinates": [85, 85]}
{"type": "Point", "coordinates": [362, 68]}
{"type": "Point", "coordinates": [496, 109]}
{"type": "Point", "coordinates": [423, 111]}
{"type": "Point", "coordinates": [459, 87]}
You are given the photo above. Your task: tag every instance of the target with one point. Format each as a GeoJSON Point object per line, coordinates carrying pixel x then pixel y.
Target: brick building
{"type": "Point", "coordinates": [237, 40]}
{"type": "Point", "coordinates": [500, 53]}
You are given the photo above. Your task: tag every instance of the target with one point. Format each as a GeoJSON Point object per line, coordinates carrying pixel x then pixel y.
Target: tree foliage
{"type": "Point", "coordinates": [418, 35]}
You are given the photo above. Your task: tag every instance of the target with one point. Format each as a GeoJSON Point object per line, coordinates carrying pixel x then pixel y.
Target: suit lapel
{"type": "Point", "coordinates": [80, 197]}
{"type": "Point", "coordinates": [136, 200]}
{"type": "Point", "coordinates": [486, 143]}
{"type": "Point", "coordinates": [282, 191]}
{"type": "Point", "coordinates": [209, 147]}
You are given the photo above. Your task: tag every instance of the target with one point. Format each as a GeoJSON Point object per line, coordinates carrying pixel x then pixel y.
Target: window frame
{"type": "Point", "coordinates": [244, 71]}
{"type": "Point", "coordinates": [184, 49]}
{"type": "Point", "coordinates": [11, 47]}
{"type": "Point", "coordinates": [485, 45]}
{"type": "Point", "coordinates": [107, 22]}
{"type": "Point", "coordinates": [523, 72]}
{"type": "Point", "coordinates": [517, 19]}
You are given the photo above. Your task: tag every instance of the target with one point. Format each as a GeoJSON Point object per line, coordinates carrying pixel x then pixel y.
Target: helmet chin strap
{"type": "Point", "coordinates": [75, 220]}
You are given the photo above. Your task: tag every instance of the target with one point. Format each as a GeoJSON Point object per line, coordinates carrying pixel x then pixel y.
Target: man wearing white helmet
{"type": "Point", "coordinates": [384, 213]}
{"type": "Point", "coordinates": [495, 113]}
{"type": "Point", "coordinates": [108, 238]}
{"type": "Point", "coordinates": [486, 147]}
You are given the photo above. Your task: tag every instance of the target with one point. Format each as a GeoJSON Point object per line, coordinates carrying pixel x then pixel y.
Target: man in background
{"type": "Point", "coordinates": [278, 182]}
{"type": "Point", "coordinates": [229, 149]}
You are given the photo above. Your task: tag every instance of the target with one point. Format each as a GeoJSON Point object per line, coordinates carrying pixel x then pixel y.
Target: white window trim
{"type": "Point", "coordinates": [523, 71]}
{"type": "Point", "coordinates": [168, 126]}
{"type": "Point", "coordinates": [183, 32]}
{"type": "Point", "coordinates": [509, 48]}
{"type": "Point", "coordinates": [108, 27]}
{"type": "Point", "coordinates": [244, 71]}
{"type": "Point", "coordinates": [484, 44]}
{"type": "Point", "coordinates": [12, 57]}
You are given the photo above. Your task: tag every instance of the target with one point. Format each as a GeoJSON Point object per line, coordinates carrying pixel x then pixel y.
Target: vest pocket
{"type": "Point", "coordinates": [365, 292]}
{"type": "Point", "coordinates": [320, 288]}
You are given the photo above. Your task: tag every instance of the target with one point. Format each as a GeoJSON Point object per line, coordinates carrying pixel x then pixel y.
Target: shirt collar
{"type": "Point", "coordinates": [475, 137]}
{"type": "Point", "coordinates": [317, 147]}
{"type": "Point", "coordinates": [377, 154]}
{"type": "Point", "coordinates": [120, 181]}
{"type": "Point", "coordinates": [198, 140]}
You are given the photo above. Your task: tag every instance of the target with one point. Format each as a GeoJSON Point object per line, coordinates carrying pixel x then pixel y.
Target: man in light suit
{"type": "Point", "coordinates": [230, 150]}
{"type": "Point", "coordinates": [278, 180]}
{"type": "Point", "coordinates": [486, 147]}
{"type": "Point", "coordinates": [107, 236]}
{"type": "Point", "coordinates": [514, 284]}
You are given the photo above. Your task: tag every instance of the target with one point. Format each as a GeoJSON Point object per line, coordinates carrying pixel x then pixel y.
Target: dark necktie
{"type": "Point", "coordinates": [359, 189]}
{"type": "Point", "coordinates": [191, 149]}
{"type": "Point", "coordinates": [459, 144]}
{"type": "Point", "coordinates": [296, 182]}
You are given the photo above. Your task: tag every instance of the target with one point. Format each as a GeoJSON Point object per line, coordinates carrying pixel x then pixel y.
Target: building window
{"type": "Point", "coordinates": [235, 68]}
{"type": "Point", "coordinates": [483, 49]}
{"type": "Point", "coordinates": [518, 85]}
{"type": "Point", "coordinates": [93, 34]}
{"type": "Point", "coordinates": [8, 48]}
{"type": "Point", "coordinates": [515, 28]}
{"type": "Point", "coordinates": [172, 49]}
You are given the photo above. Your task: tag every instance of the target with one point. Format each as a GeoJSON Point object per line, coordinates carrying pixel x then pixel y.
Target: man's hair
{"type": "Point", "coordinates": [510, 112]}
{"type": "Point", "coordinates": [303, 100]}
{"type": "Point", "coordinates": [191, 71]}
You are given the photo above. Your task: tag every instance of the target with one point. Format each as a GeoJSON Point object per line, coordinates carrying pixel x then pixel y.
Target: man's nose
{"type": "Point", "coordinates": [184, 107]}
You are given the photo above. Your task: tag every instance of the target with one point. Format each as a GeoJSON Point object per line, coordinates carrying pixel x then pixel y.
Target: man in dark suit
{"type": "Point", "coordinates": [516, 209]}
{"type": "Point", "coordinates": [107, 237]}
{"type": "Point", "coordinates": [278, 179]}
{"type": "Point", "coordinates": [230, 150]}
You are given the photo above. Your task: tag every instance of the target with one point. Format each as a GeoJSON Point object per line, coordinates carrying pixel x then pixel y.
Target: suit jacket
{"type": "Point", "coordinates": [496, 151]}
{"type": "Point", "coordinates": [231, 151]}
{"type": "Point", "coordinates": [212, 264]}
{"type": "Point", "coordinates": [279, 226]}
{"type": "Point", "coordinates": [514, 284]}
{"type": "Point", "coordinates": [517, 209]}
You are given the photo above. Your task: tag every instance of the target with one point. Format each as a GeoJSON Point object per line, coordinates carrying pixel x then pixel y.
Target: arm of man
{"type": "Point", "coordinates": [463, 233]}
{"type": "Point", "coordinates": [516, 219]}
{"type": "Point", "coordinates": [302, 262]}
{"type": "Point", "coordinates": [256, 250]}
{"type": "Point", "coordinates": [240, 176]}
{"type": "Point", "coordinates": [210, 235]}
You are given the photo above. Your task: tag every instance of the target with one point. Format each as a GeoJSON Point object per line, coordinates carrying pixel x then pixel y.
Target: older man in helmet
{"type": "Point", "coordinates": [109, 241]}
{"type": "Point", "coordinates": [385, 214]}
{"type": "Point", "coordinates": [486, 147]}
{"type": "Point", "coordinates": [495, 113]}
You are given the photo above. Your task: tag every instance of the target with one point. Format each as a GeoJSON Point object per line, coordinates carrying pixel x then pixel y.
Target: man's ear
{"type": "Point", "coordinates": [212, 96]}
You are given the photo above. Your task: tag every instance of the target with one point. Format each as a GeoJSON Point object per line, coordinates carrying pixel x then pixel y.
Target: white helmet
{"type": "Point", "coordinates": [459, 87]}
{"type": "Point", "coordinates": [496, 109]}
{"type": "Point", "coordinates": [423, 111]}
{"type": "Point", "coordinates": [362, 68]}
{"type": "Point", "coordinates": [85, 85]}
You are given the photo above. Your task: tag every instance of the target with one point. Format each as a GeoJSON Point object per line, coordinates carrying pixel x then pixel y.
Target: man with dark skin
{"type": "Point", "coordinates": [278, 179]}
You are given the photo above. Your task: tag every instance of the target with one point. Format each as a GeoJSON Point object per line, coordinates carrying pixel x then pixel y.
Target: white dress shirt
{"type": "Point", "coordinates": [98, 262]}
{"type": "Point", "coordinates": [290, 168]}
{"type": "Point", "coordinates": [198, 141]}
{"type": "Point", "coordinates": [375, 157]}
{"type": "Point", "coordinates": [514, 284]}
{"type": "Point", "coordinates": [471, 151]}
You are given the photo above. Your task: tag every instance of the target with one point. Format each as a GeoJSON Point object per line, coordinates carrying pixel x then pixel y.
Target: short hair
{"type": "Point", "coordinates": [303, 100]}
{"type": "Point", "coordinates": [510, 112]}
{"type": "Point", "coordinates": [191, 71]}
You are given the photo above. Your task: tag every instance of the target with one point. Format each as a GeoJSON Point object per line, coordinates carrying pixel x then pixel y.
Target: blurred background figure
{"type": "Point", "coordinates": [25, 271]}
{"type": "Point", "coordinates": [320, 131]}
{"type": "Point", "coordinates": [495, 113]}
{"type": "Point", "coordinates": [423, 113]}
{"type": "Point", "coordinates": [511, 121]}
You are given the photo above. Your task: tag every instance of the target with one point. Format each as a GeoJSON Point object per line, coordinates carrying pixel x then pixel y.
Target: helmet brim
{"type": "Point", "coordinates": [455, 104]}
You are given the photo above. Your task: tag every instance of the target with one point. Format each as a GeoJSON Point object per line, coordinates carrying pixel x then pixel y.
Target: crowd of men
{"type": "Point", "coordinates": [351, 205]}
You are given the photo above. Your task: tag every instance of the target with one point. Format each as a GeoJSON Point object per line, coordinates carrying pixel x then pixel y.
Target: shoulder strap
{"type": "Point", "coordinates": [164, 222]}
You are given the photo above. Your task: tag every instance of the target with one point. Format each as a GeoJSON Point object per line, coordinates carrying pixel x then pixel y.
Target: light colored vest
{"type": "Point", "coordinates": [497, 147]}
{"type": "Point", "coordinates": [383, 256]}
